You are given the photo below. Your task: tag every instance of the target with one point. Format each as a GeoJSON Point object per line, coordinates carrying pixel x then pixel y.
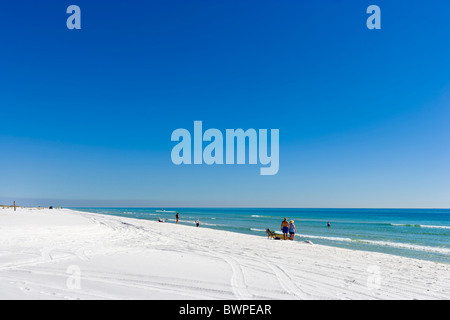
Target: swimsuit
{"type": "Point", "coordinates": [285, 229]}
{"type": "Point", "coordinates": [291, 229]}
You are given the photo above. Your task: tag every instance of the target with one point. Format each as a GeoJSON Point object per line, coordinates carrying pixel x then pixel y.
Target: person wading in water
{"type": "Point", "coordinates": [285, 228]}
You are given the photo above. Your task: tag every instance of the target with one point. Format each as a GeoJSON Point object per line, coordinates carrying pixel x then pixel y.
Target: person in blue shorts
{"type": "Point", "coordinates": [285, 228]}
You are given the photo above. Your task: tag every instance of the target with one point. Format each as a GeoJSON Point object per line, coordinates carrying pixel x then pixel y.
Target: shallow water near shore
{"type": "Point", "coordinates": [415, 233]}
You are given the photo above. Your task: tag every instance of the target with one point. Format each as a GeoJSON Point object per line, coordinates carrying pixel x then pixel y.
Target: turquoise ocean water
{"type": "Point", "coordinates": [415, 233]}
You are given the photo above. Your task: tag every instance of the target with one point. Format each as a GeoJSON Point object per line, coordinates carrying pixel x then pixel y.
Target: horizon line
{"type": "Point", "coordinates": [96, 203]}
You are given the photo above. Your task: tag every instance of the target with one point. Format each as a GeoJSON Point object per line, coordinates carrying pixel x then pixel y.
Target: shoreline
{"type": "Point", "coordinates": [384, 240]}
{"type": "Point", "coordinates": [127, 258]}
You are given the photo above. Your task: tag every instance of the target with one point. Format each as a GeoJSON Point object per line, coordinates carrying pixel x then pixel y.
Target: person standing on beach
{"type": "Point", "coordinates": [177, 216]}
{"type": "Point", "coordinates": [292, 230]}
{"type": "Point", "coordinates": [285, 228]}
{"type": "Point", "coordinates": [197, 222]}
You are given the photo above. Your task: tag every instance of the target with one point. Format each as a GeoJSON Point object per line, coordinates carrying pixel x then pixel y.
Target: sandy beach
{"type": "Point", "coordinates": [65, 254]}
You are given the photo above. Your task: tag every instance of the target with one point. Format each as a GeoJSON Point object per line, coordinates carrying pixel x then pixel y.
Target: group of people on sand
{"type": "Point", "coordinates": [177, 217]}
{"type": "Point", "coordinates": [288, 228]}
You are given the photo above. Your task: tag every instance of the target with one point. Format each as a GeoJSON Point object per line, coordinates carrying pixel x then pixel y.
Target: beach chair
{"type": "Point", "coordinates": [272, 235]}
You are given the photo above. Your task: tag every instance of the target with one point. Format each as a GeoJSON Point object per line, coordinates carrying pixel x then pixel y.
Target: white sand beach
{"type": "Point", "coordinates": [65, 254]}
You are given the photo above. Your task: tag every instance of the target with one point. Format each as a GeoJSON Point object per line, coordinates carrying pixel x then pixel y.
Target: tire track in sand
{"type": "Point", "coordinates": [287, 283]}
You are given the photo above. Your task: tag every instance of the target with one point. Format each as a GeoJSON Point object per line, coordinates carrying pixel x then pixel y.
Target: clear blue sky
{"type": "Point", "coordinates": [87, 115]}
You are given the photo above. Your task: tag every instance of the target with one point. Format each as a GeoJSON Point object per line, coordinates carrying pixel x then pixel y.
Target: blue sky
{"type": "Point", "coordinates": [87, 115]}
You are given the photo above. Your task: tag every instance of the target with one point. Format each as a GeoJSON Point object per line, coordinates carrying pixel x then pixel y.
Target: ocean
{"type": "Point", "coordinates": [415, 233]}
